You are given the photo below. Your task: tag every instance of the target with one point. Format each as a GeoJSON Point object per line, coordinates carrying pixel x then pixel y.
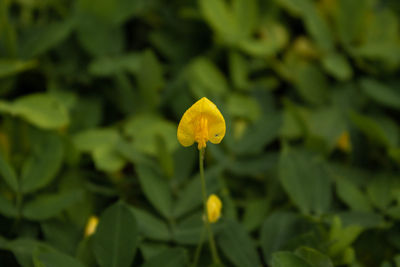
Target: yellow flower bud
{"type": "Point", "coordinates": [91, 225]}
{"type": "Point", "coordinates": [214, 206]}
{"type": "Point", "coordinates": [343, 142]}
{"type": "Point", "coordinates": [202, 122]}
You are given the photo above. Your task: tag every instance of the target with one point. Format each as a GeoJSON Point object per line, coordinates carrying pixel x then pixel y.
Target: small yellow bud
{"type": "Point", "coordinates": [343, 142]}
{"type": "Point", "coordinates": [214, 206]}
{"type": "Point", "coordinates": [91, 225]}
{"type": "Point", "coordinates": [202, 122]}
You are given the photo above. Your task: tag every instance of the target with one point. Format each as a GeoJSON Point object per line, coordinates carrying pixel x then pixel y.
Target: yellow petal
{"type": "Point", "coordinates": [214, 206]}
{"type": "Point", "coordinates": [91, 225]}
{"type": "Point", "coordinates": [202, 122]}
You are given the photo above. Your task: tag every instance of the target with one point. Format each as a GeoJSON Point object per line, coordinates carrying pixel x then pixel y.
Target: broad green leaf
{"type": "Point", "coordinates": [7, 208]}
{"type": "Point", "coordinates": [41, 39]}
{"type": "Point", "coordinates": [62, 235]}
{"type": "Point", "coordinates": [46, 206]}
{"type": "Point", "coordinates": [189, 230]}
{"type": "Point", "coordinates": [150, 79]}
{"type": "Point", "coordinates": [10, 67]}
{"type": "Point", "coordinates": [350, 19]}
{"type": "Point", "coordinates": [7, 172]}
{"type": "Point", "coordinates": [342, 237]}
{"type": "Point", "coordinates": [381, 93]}
{"type": "Point", "coordinates": [98, 37]}
{"type": "Point", "coordinates": [108, 66]}
{"type": "Point", "coordinates": [51, 259]}
{"type": "Point", "coordinates": [169, 257]}
{"type": "Point", "coordinates": [254, 213]}
{"type": "Point", "coordinates": [238, 70]}
{"type": "Point", "coordinates": [263, 132]}
{"type": "Point", "coordinates": [43, 165]}
{"type": "Point", "coordinates": [40, 109]}
{"type": "Point", "coordinates": [306, 180]}
{"type": "Point", "coordinates": [90, 140]}
{"type": "Point", "coordinates": [116, 238]}
{"type": "Point", "coordinates": [150, 226]}
{"type": "Point", "coordinates": [146, 129]}
{"type": "Point", "coordinates": [382, 190]}
{"type": "Point", "coordinates": [242, 106]}
{"type": "Point", "coordinates": [311, 83]}
{"type": "Point", "coordinates": [237, 246]}
{"type": "Point", "coordinates": [256, 165]}
{"type": "Point", "coordinates": [314, 257]}
{"type": "Point", "coordinates": [246, 15]}
{"type": "Point", "coordinates": [371, 128]}
{"type": "Point", "coordinates": [352, 195]}
{"type": "Point", "coordinates": [156, 189]}
{"type": "Point", "coordinates": [24, 248]}
{"type": "Point", "coordinates": [338, 66]}
{"type": "Point", "coordinates": [366, 220]}
{"type": "Point", "coordinates": [221, 18]}
{"type": "Point", "coordinates": [206, 79]}
{"type": "Point", "coordinates": [107, 159]}
{"type": "Point", "coordinates": [286, 259]}
{"type": "Point", "coordinates": [278, 229]}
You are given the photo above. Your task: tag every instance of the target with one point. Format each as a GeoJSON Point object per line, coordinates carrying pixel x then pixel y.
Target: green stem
{"type": "Point", "coordinates": [213, 248]}
{"type": "Point", "coordinates": [199, 247]}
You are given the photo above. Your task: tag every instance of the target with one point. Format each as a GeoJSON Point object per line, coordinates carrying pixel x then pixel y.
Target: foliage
{"type": "Point", "coordinates": [91, 95]}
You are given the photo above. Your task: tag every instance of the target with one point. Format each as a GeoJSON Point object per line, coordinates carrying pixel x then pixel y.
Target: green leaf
{"type": "Point", "coordinates": [8, 174]}
{"type": "Point", "coordinates": [371, 128]}
{"type": "Point", "coordinates": [381, 93]}
{"type": "Point", "coordinates": [10, 67]}
{"type": "Point", "coordinates": [338, 66]}
{"type": "Point", "coordinates": [188, 231]}
{"type": "Point", "coordinates": [7, 208]}
{"type": "Point", "coordinates": [46, 206]}
{"type": "Point", "coordinates": [311, 83]}
{"type": "Point", "coordinates": [242, 106]}
{"type": "Point", "coordinates": [342, 237]}
{"type": "Point", "coordinates": [169, 257]}
{"type": "Point", "coordinates": [156, 189]}
{"type": "Point", "coordinates": [237, 246]}
{"type": "Point", "coordinates": [278, 229]}
{"type": "Point", "coordinates": [306, 180]}
{"type": "Point", "coordinates": [246, 15]}
{"type": "Point", "coordinates": [206, 79]}
{"type": "Point", "coordinates": [150, 226]}
{"type": "Point", "coordinates": [221, 18]}
{"type": "Point", "coordinates": [352, 196]}
{"type": "Point", "coordinates": [288, 259]}
{"type": "Point", "coordinates": [107, 159]}
{"type": "Point", "coordinates": [382, 190]}
{"type": "Point", "coordinates": [145, 129]}
{"type": "Point", "coordinates": [108, 66]}
{"type": "Point", "coordinates": [42, 167]}
{"type": "Point", "coordinates": [254, 213]}
{"type": "Point", "coordinates": [24, 248]}
{"type": "Point", "coordinates": [238, 70]}
{"type": "Point", "coordinates": [40, 109]}
{"type": "Point", "coordinates": [41, 39]}
{"type": "Point", "coordinates": [90, 140]}
{"type": "Point", "coordinates": [314, 257]}
{"type": "Point", "coordinates": [262, 133]}
{"type": "Point", "coordinates": [150, 79]}
{"type": "Point", "coordinates": [116, 238]}
{"type": "Point", "coordinates": [53, 258]}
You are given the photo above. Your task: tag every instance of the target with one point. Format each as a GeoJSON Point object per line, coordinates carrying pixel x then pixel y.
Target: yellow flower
{"type": "Point", "coordinates": [91, 225]}
{"type": "Point", "coordinates": [214, 206]}
{"type": "Point", "coordinates": [202, 122]}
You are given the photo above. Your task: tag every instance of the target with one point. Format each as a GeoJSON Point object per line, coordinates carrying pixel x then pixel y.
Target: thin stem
{"type": "Point", "coordinates": [213, 248]}
{"type": "Point", "coordinates": [199, 247]}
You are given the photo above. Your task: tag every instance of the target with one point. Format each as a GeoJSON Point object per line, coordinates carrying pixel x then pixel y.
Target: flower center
{"type": "Point", "coordinates": [201, 135]}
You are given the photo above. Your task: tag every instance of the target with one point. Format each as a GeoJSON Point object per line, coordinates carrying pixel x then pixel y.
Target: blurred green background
{"type": "Point", "coordinates": [91, 95]}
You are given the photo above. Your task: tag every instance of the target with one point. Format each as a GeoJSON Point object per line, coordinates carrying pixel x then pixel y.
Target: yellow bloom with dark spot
{"type": "Point", "coordinates": [202, 122]}
{"type": "Point", "coordinates": [214, 206]}
{"type": "Point", "coordinates": [91, 225]}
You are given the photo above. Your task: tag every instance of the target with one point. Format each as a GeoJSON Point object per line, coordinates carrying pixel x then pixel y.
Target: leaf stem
{"type": "Point", "coordinates": [199, 247]}
{"type": "Point", "coordinates": [213, 248]}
